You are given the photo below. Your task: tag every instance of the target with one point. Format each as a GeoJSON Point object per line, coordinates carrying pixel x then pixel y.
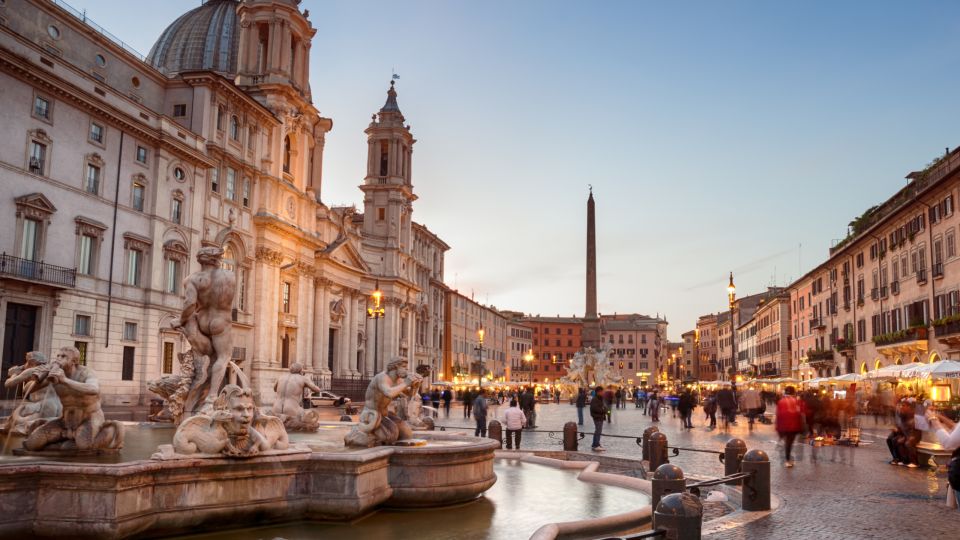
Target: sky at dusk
{"type": "Point", "coordinates": [717, 136]}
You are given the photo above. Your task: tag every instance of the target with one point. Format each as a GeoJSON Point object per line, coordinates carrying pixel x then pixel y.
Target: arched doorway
{"type": "Point", "coordinates": [863, 368]}
{"type": "Point", "coordinates": [934, 357]}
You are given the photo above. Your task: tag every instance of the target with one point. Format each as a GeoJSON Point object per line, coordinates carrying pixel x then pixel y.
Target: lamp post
{"type": "Point", "coordinates": [376, 313]}
{"type": "Point", "coordinates": [528, 358]}
{"type": "Point", "coordinates": [732, 297]}
{"type": "Point", "coordinates": [479, 349]}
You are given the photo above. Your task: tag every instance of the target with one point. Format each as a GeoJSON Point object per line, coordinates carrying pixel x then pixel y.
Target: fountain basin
{"type": "Point", "coordinates": [158, 498]}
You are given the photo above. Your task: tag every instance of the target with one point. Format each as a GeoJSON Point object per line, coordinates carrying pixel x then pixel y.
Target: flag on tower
{"type": "Point", "coordinates": [396, 77]}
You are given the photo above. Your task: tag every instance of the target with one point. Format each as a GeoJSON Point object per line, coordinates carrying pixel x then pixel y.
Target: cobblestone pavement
{"type": "Point", "coordinates": [833, 492]}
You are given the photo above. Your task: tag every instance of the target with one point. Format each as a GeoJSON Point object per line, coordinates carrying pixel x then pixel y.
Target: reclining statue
{"type": "Point", "coordinates": [81, 425]}
{"type": "Point", "coordinates": [233, 429]}
{"type": "Point", "coordinates": [377, 424]}
{"type": "Point", "coordinates": [38, 405]}
{"type": "Point", "coordinates": [288, 406]}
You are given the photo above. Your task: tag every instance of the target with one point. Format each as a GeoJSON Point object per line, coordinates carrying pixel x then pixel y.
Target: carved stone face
{"type": "Point", "coordinates": [241, 409]}
{"type": "Point", "coordinates": [67, 359]}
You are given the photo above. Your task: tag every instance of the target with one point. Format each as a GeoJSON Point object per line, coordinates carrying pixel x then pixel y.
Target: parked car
{"type": "Point", "coordinates": [328, 399]}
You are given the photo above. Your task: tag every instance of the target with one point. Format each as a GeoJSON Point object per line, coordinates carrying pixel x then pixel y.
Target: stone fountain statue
{"type": "Point", "coordinates": [36, 406]}
{"type": "Point", "coordinates": [81, 427]}
{"type": "Point", "coordinates": [206, 322]}
{"type": "Point", "coordinates": [379, 425]}
{"type": "Point", "coordinates": [589, 367]}
{"type": "Point", "coordinates": [289, 403]}
{"type": "Point", "coordinates": [234, 428]}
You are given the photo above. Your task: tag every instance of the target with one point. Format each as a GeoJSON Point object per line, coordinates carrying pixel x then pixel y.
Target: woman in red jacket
{"type": "Point", "coordinates": [790, 411]}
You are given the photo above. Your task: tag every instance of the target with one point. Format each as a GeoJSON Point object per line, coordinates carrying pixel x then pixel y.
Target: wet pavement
{"type": "Point", "coordinates": [833, 492]}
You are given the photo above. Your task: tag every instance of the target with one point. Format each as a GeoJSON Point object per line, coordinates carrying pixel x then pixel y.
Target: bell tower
{"type": "Point", "coordinates": [274, 45]}
{"type": "Point", "coordinates": [387, 188]}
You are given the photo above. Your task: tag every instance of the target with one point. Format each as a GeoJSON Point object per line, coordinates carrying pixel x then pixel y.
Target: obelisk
{"type": "Point", "coordinates": [591, 323]}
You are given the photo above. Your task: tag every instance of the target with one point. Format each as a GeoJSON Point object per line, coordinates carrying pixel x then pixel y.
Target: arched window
{"type": "Point", "coordinates": [286, 154]}
{"type": "Point", "coordinates": [235, 128]}
{"type": "Point", "coordinates": [220, 115]}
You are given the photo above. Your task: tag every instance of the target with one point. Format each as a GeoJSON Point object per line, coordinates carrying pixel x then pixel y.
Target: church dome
{"type": "Point", "coordinates": [204, 38]}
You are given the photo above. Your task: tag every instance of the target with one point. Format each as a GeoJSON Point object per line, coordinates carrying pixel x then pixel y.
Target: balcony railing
{"type": "Point", "coordinates": [817, 323]}
{"type": "Point", "coordinates": [819, 356]}
{"type": "Point", "coordinates": [947, 328]}
{"type": "Point", "coordinates": [37, 271]}
{"type": "Point", "coordinates": [893, 338]}
{"type": "Point", "coordinates": [883, 291]}
{"type": "Point", "coordinates": [845, 346]}
{"type": "Point", "coordinates": [937, 270]}
{"type": "Point", "coordinates": [874, 293]}
{"type": "Point", "coordinates": [922, 275]}
{"type": "Point", "coordinates": [895, 287]}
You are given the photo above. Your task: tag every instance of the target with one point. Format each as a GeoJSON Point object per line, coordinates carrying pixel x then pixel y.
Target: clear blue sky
{"type": "Point", "coordinates": [718, 136]}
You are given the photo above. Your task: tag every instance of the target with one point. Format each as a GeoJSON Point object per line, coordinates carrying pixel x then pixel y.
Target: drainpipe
{"type": "Point", "coordinates": [113, 240]}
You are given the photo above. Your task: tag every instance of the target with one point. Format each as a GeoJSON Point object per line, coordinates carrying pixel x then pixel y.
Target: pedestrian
{"type": "Point", "coordinates": [750, 404]}
{"type": "Point", "coordinates": [528, 404]}
{"type": "Point", "coordinates": [685, 406]}
{"type": "Point", "coordinates": [598, 412]}
{"type": "Point", "coordinates": [581, 403]}
{"type": "Point", "coordinates": [618, 397]}
{"type": "Point", "coordinates": [480, 414]}
{"type": "Point", "coordinates": [939, 424]}
{"type": "Point", "coordinates": [608, 397]}
{"type": "Point", "coordinates": [727, 403]}
{"type": "Point", "coordinates": [447, 398]}
{"type": "Point", "coordinates": [654, 405]}
{"type": "Point", "coordinates": [710, 410]}
{"type": "Point", "coordinates": [790, 418]}
{"type": "Point", "coordinates": [908, 436]}
{"type": "Point", "coordinates": [435, 401]}
{"type": "Point", "coordinates": [514, 419]}
{"type": "Point", "coordinates": [467, 402]}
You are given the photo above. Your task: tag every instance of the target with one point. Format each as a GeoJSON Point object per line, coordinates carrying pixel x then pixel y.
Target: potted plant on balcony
{"type": "Point", "coordinates": [918, 329]}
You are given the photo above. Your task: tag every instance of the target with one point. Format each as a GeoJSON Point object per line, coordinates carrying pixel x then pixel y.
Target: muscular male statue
{"type": "Point", "coordinates": [376, 425]}
{"type": "Point", "coordinates": [81, 425]}
{"type": "Point", "coordinates": [205, 319]}
{"type": "Point", "coordinates": [289, 403]}
{"type": "Point", "coordinates": [39, 405]}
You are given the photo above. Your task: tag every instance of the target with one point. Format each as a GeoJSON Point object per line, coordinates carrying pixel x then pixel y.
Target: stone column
{"type": "Point", "coordinates": [273, 58]}
{"type": "Point", "coordinates": [320, 326]}
{"type": "Point", "coordinates": [305, 79]}
{"type": "Point", "coordinates": [244, 46]}
{"type": "Point", "coordinates": [285, 51]}
{"type": "Point", "coordinates": [352, 331]}
{"type": "Point", "coordinates": [305, 345]}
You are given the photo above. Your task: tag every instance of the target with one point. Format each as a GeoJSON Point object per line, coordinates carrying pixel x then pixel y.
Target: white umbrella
{"type": "Point", "coordinates": [849, 377]}
{"type": "Point", "coordinates": [887, 372]}
{"type": "Point", "coordinates": [943, 368]}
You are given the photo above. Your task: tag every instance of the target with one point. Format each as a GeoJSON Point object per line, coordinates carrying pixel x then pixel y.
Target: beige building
{"type": "Point", "coordinates": [120, 167]}
{"type": "Point", "coordinates": [637, 346]}
{"type": "Point", "coordinates": [690, 358]}
{"type": "Point", "coordinates": [890, 291]}
{"type": "Point", "coordinates": [519, 349]}
{"type": "Point", "coordinates": [772, 340]}
{"type": "Point", "coordinates": [462, 354]}
{"type": "Point", "coordinates": [707, 348]}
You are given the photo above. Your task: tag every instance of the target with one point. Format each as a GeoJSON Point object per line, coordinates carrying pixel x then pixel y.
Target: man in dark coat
{"type": "Point", "coordinates": [598, 411]}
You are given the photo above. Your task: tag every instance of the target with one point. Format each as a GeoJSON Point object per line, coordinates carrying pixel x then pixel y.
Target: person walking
{"type": "Point", "coordinates": [654, 406]}
{"type": "Point", "coordinates": [581, 403]}
{"type": "Point", "coordinates": [727, 403]}
{"type": "Point", "coordinates": [528, 404]}
{"type": "Point", "coordinates": [435, 402]}
{"type": "Point", "coordinates": [685, 406]}
{"type": "Point", "coordinates": [514, 419]}
{"type": "Point", "coordinates": [447, 398]}
{"type": "Point", "coordinates": [750, 403]}
{"type": "Point", "coordinates": [598, 412]}
{"type": "Point", "coordinates": [608, 397]}
{"type": "Point", "coordinates": [790, 417]}
{"type": "Point", "coordinates": [467, 402]}
{"type": "Point", "coordinates": [480, 414]}
{"type": "Point", "coordinates": [710, 409]}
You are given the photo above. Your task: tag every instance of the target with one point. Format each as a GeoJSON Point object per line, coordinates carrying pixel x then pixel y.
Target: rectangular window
{"type": "Point", "coordinates": [951, 244]}
{"type": "Point", "coordinates": [141, 154]}
{"type": "Point", "coordinates": [82, 347]}
{"type": "Point", "coordinates": [167, 357]}
{"type": "Point", "coordinates": [127, 369]}
{"type": "Point", "coordinates": [41, 108]}
{"type": "Point", "coordinates": [130, 331]}
{"type": "Point", "coordinates": [81, 325]}
{"type": "Point", "coordinates": [96, 132]}
{"type": "Point", "coordinates": [176, 206]}
{"type": "Point", "coordinates": [381, 215]}
{"type": "Point", "coordinates": [286, 297]}
{"type": "Point", "coordinates": [138, 193]}
{"type": "Point", "coordinates": [30, 241]}
{"type": "Point", "coordinates": [92, 184]}
{"type": "Point", "coordinates": [215, 180]}
{"type": "Point", "coordinates": [179, 110]}
{"type": "Point", "coordinates": [134, 263]}
{"type": "Point", "coordinates": [173, 276]}
{"type": "Point", "coordinates": [246, 192]}
{"type": "Point", "coordinates": [86, 265]}
{"type": "Point", "coordinates": [38, 157]}
{"type": "Point", "coordinates": [231, 184]}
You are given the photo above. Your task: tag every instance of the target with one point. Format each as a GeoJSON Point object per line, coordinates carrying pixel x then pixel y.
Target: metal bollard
{"type": "Point", "coordinates": [645, 442]}
{"type": "Point", "coordinates": [570, 436]}
{"type": "Point", "coordinates": [667, 479]}
{"type": "Point", "coordinates": [345, 418]}
{"type": "Point", "coordinates": [680, 515]}
{"type": "Point", "coordinates": [732, 456]}
{"type": "Point", "coordinates": [756, 488]}
{"type": "Point", "coordinates": [495, 431]}
{"type": "Point", "coordinates": [658, 451]}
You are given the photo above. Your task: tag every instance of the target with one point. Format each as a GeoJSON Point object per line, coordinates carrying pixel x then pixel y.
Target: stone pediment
{"type": "Point", "coordinates": [345, 253]}
{"type": "Point", "coordinates": [34, 206]}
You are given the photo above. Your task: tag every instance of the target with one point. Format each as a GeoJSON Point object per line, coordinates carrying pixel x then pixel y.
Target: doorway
{"type": "Point", "coordinates": [19, 333]}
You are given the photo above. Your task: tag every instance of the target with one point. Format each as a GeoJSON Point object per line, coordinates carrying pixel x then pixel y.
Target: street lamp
{"type": "Point", "coordinates": [479, 349]}
{"type": "Point", "coordinates": [376, 313]}
{"type": "Point", "coordinates": [528, 358]}
{"type": "Point", "coordinates": [732, 298]}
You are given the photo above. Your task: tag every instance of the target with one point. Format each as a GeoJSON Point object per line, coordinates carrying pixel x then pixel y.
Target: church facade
{"type": "Point", "coordinates": [118, 168]}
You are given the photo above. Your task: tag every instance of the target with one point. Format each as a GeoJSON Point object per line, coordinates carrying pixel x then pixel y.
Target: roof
{"type": "Point", "coordinates": [204, 38]}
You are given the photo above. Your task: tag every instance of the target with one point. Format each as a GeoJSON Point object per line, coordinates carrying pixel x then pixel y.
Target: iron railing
{"type": "Point", "coordinates": [37, 271]}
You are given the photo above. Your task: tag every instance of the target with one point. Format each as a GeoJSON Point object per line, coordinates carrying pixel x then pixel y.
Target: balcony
{"type": "Point", "coordinates": [922, 276]}
{"type": "Point", "coordinates": [947, 331]}
{"type": "Point", "coordinates": [845, 347]}
{"type": "Point", "coordinates": [883, 291]}
{"type": "Point", "coordinates": [846, 305]}
{"type": "Point", "coordinates": [288, 320]}
{"type": "Point", "coordinates": [818, 359]}
{"type": "Point", "coordinates": [937, 270]}
{"type": "Point", "coordinates": [905, 342]}
{"type": "Point", "coordinates": [818, 323]}
{"type": "Point", "coordinates": [895, 287]}
{"type": "Point", "coordinates": [874, 293]}
{"type": "Point", "coordinates": [38, 272]}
